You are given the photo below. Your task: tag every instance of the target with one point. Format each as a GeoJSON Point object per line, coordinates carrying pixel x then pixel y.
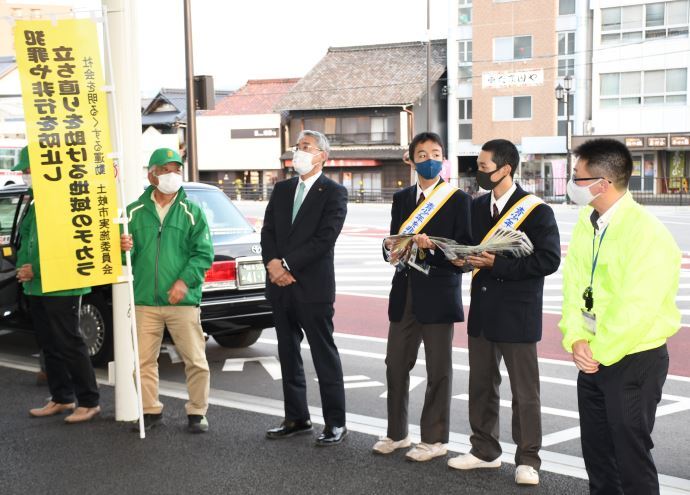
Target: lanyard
{"type": "Point", "coordinates": [588, 295]}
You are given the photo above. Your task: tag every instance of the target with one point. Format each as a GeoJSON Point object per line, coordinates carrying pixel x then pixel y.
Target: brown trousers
{"type": "Point", "coordinates": [184, 325]}
{"type": "Point", "coordinates": [484, 404]}
{"type": "Point", "coordinates": [404, 339]}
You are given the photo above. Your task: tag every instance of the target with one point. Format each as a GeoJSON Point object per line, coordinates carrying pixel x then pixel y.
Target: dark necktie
{"type": "Point", "coordinates": [420, 199]}
{"type": "Point", "coordinates": [495, 213]}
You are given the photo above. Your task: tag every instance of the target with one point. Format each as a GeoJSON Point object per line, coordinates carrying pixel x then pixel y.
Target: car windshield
{"type": "Point", "coordinates": [221, 214]}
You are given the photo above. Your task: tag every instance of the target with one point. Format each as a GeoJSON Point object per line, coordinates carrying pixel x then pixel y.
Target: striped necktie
{"type": "Point", "coordinates": [298, 200]}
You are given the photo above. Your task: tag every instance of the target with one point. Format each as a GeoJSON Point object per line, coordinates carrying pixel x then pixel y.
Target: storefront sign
{"type": "Point", "coordinates": [680, 140]}
{"type": "Point", "coordinates": [657, 142]}
{"type": "Point", "coordinates": [533, 77]}
{"type": "Point", "coordinates": [253, 133]}
{"type": "Point", "coordinates": [67, 127]}
{"type": "Point", "coordinates": [631, 142]}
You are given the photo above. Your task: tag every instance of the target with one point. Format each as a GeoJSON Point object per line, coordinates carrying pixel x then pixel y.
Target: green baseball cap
{"type": "Point", "coordinates": [164, 155]}
{"type": "Point", "coordinates": [23, 162]}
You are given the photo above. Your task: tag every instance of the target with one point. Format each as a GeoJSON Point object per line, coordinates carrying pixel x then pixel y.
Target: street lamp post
{"type": "Point", "coordinates": [563, 93]}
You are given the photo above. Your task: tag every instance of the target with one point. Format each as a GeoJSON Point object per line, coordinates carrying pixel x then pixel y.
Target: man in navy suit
{"type": "Point", "coordinates": [424, 307]}
{"type": "Point", "coordinates": [301, 225]}
{"type": "Point", "coordinates": [505, 319]}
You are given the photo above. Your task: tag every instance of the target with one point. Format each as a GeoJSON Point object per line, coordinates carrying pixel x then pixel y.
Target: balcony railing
{"type": "Point", "coordinates": [362, 138]}
{"type": "Point", "coordinates": [672, 192]}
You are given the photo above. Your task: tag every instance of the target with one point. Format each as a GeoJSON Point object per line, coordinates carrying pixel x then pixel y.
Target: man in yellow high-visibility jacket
{"type": "Point", "coordinates": [620, 281]}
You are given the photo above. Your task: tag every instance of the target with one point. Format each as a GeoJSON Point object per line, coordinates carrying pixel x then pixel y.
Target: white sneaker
{"type": "Point", "coordinates": [526, 475]}
{"type": "Point", "coordinates": [468, 461]}
{"type": "Point", "coordinates": [426, 451]}
{"type": "Point", "coordinates": [387, 445]}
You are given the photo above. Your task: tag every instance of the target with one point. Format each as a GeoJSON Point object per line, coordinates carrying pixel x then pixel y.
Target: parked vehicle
{"type": "Point", "coordinates": [234, 309]}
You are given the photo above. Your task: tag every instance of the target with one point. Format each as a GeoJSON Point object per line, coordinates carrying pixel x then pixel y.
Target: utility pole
{"type": "Point", "coordinates": [190, 132]}
{"type": "Point", "coordinates": [428, 65]}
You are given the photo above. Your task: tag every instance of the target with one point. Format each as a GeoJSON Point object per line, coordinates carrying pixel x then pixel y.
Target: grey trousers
{"type": "Point", "coordinates": [404, 339]}
{"type": "Point", "coordinates": [485, 378]}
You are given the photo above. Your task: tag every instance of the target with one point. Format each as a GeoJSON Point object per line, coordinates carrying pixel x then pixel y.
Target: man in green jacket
{"type": "Point", "coordinates": [171, 252]}
{"type": "Point", "coordinates": [620, 281]}
{"type": "Point", "coordinates": [55, 317]}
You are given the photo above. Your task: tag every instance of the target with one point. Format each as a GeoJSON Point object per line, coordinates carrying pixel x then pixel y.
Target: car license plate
{"type": "Point", "coordinates": [252, 273]}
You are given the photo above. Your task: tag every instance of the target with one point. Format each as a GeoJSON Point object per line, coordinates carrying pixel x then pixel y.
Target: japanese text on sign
{"type": "Point", "coordinates": [69, 146]}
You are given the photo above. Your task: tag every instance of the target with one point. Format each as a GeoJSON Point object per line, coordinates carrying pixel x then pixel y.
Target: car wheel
{"type": "Point", "coordinates": [236, 340]}
{"type": "Point", "coordinates": [95, 324]}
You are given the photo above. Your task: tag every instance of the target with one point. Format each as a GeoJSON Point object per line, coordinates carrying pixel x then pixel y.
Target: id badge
{"type": "Point", "coordinates": [590, 320]}
{"type": "Point", "coordinates": [412, 261]}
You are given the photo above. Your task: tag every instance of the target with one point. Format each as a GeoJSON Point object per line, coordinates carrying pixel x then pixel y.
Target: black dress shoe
{"type": "Point", "coordinates": [331, 435]}
{"type": "Point", "coordinates": [288, 429]}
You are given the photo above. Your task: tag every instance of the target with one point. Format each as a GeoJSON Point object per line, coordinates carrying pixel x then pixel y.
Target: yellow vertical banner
{"type": "Point", "coordinates": [68, 131]}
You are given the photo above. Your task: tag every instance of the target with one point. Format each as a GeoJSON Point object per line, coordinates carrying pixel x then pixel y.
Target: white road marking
{"type": "Point", "coordinates": [269, 363]}
{"type": "Point", "coordinates": [459, 443]}
{"type": "Point", "coordinates": [414, 381]}
{"type": "Point", "coordinates": [358, 381]}
{"type": "Point", "coordinates": [553, 411]}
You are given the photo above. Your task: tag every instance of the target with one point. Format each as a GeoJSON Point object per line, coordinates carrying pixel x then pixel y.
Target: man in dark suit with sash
{"type": "Point", "coordinates": [505, 319]}
{"type": "Point", "coordinates": [424, 307]}
{"type": "Point", "coordinates": [301, 225]}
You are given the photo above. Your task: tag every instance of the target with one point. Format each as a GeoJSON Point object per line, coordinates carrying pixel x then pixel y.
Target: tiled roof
{"type": "Point", "coordinates": [367, 76]}
{"type": "Point", "coordinates": [375, 153]}
{"type": "Point", "coordinates": [178, 99]}
{"type": "Point", "coordinates": [258, 96]}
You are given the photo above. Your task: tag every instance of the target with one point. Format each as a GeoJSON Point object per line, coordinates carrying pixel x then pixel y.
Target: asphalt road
{"type": "Point", "coordinates": [37, 455]}
{"type": "Point", "coordinates": [105, 457]}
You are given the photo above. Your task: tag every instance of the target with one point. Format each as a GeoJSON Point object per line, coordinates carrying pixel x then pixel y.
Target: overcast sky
{"type": "Point", "coordinates": [235, 41]}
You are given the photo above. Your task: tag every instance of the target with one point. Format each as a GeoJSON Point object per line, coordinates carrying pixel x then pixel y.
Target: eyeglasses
{"type": "Point", "coordinates": [306, 147]}
{"type": "Point", "coordinates": [580, 179]}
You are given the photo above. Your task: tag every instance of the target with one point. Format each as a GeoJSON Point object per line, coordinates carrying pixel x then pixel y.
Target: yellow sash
{"type": "Point", "coordinates": [427, 209]}
{"type": "Point", "coordinates": [513, 218]}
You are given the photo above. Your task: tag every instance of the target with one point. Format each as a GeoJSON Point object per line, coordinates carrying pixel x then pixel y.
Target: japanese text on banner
{"type": "Point", "coordinates": [68, 131]}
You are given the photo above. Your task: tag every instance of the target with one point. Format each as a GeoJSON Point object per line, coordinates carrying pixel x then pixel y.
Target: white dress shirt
{"type": "Point", "coordinates": [501, 202]}
{"type": "Point", "coordinates": [427, 192]}
{"type": "Point", "coordinates": [307, 184]}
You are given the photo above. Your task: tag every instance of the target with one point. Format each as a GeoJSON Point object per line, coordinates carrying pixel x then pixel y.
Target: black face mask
{"type": "Point", "coordinates": [484, 180]}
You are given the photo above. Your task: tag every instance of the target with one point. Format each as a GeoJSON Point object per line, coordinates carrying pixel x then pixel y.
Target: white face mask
{"type": "Point", "coordinates": [581, 195]}
{"type": "Point", "coordinates": [169, 183]}
{"type": "Point", "coordinates": [301, 161]}
{"type": "Point", "coordinates": [27, 179]}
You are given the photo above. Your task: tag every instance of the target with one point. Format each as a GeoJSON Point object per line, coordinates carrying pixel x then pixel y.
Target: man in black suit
{"type": "Point", "coordinates": [505, 319]}
{"type": "Point", "coordinates": [424, 307]}
{"type": "Point", "coordinates": [301, 225]}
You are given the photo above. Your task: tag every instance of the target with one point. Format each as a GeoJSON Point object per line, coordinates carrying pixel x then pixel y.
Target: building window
{"type": "Point", "coordinates": [383, 129]}
{"type": "Point", "coordinates": [464, 12]}
{"type": "Point", "coordinates": [314, 124]}
{"type": "Point", "coordinates": [465, 61]}
{"type": "Point", "coordinates": [512, 108]}
{"type": "Point", "coordinates": [465, 52]}
{"type": "Point", "coordinates": [649, 21]}
{"type": "Point", "coordinates": [562, 120]}
{"type": "Point", "coordinates": [653, 87]}
{"type": "Point", "coordinates": [566, 54]}
{"type": "Point", "coordinates": [566, 7]}
{"type": "Point", "coordinates": [512, 48]}
{"type": "Point", "coordinates": [465, 118]}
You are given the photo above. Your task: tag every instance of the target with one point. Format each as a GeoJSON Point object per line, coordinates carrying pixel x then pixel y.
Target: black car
{"type": "Point", "coordinates": [234, 309]}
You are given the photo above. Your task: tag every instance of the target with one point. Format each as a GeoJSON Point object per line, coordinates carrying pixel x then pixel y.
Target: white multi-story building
{"type": "Point", "coordinates": [628, 60]}
{"type": "Point", "coordinates": [505, 59]}
{"type": "Point", "coordinates": [640, 62]}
